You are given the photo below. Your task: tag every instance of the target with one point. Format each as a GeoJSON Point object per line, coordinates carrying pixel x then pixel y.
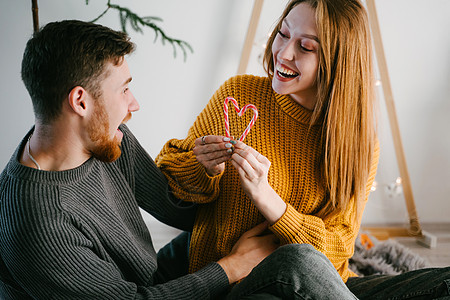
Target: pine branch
{"type": "Point", "coordinates": [137, 23]}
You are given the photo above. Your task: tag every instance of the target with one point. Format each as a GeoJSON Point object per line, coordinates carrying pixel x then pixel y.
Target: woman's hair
{"type": "Point", "coordinates": [345, 98]}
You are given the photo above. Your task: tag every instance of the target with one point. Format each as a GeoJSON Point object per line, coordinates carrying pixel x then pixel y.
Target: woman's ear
{"type": "Point", "coordinates": [78, 100]}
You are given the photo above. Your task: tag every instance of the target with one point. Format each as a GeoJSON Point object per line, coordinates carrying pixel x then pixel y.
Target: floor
{"type": "Point", "coordinates": [438, 256]}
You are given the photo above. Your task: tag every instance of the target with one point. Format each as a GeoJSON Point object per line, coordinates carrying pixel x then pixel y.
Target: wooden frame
{"type": "Point", "coordinates": [414, 228]}
{"type": "Point", "coordinates": [379, 232]}
{"type": "Point", "coordinates": [250, 37]}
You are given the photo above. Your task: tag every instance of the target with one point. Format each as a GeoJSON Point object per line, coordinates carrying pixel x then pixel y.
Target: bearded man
{"type": "Point", "coordinates": [70, 195]}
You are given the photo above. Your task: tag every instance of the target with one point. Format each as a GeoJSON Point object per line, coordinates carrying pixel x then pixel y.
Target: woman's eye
{"type": "Point", "coordinates": [125, 90]}
{"type": "Point", "coordinates": [306, 49]}
{"type": "Point", "coordinates": [282, 34]}
{"type": "Point", "coordinates": [306, 46]}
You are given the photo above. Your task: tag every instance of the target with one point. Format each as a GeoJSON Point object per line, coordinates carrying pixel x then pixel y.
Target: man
{"type": "Point", "coordinates": [70, 195]}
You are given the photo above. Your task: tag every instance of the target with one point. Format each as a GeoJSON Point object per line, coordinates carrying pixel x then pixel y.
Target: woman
{"type": "Point", "coordinates": [309, 162]}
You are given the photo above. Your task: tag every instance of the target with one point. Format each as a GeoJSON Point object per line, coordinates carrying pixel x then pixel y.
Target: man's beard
{"type": "Point", "coordinates": [105, 149]}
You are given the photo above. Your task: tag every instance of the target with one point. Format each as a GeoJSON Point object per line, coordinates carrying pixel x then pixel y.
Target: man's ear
{"type": "Point", "coordinates": [79, 100]}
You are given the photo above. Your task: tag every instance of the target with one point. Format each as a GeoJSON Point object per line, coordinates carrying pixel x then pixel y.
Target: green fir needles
{"type": "Point", "coordinates": [137, 23]}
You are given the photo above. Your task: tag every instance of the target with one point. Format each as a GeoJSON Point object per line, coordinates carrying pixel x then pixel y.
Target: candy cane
{"type": "Point", "coordinates": [240, 113]}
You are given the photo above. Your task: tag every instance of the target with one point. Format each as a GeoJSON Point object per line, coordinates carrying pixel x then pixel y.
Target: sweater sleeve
{"type": "Point", "coordinates": [334, 237]}
{"type": "Point", "coordinates": [51, 256]}
{"type": "Point", "coordinates": [187, 177]}
{"type": "Point", "coordinates": [150, 186]}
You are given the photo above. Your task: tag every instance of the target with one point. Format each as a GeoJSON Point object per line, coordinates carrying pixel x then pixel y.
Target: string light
{"type": "Point", "coordinates": [392, 189]}
{"type": "Point", "coordinates": [374, 186]}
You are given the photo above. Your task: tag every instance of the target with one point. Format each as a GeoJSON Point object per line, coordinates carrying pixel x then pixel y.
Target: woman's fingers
{"type": "Point", "coordinates": [259, 157]}
{"type": "Point", "coordinates": [245, 164]}
{"type": "Point", "coordinates": [241, 171]}
{"type": "Point", "coordinates": [210, 139]}
{"type": "Point", "coordinates": [212, 146]}
{"type": "Point", "coordinates": [212, 151]}
{"type": "Point", "coordinates": [211, 154]}
{"type": "Point", "coordinates": [250, 161]}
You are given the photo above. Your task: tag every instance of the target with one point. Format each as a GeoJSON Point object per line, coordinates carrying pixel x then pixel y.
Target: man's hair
{"type": "Point", "coordinates": [66, 54]}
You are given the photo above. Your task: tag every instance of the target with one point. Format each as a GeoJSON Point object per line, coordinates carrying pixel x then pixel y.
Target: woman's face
{"type": "Point", "coordinates": [295, 55]}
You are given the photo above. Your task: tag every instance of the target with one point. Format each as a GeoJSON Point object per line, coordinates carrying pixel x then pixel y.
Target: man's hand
{"type": "Point", "coordinates": [248, 252]}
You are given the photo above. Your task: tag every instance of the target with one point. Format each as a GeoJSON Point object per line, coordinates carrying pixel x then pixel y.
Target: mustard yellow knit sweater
{"type": "Point", "coordinates": [281, 133]}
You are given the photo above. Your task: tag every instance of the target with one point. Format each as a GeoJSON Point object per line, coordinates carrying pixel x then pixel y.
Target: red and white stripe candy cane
{"type": "Point", "coordinates": [240, 113]}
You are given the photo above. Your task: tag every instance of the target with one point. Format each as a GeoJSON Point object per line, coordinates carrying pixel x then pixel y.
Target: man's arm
{"type": "Point", "coordinates": [150, 186]}
{"type": "Point", "coordinates": [56, 260]}
{"type": "Point", "coordinates": [58, 263]}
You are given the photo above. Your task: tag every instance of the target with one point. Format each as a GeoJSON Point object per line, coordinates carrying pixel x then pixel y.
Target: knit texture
{"type": "Point", "coordinates": [79, 234]}
{"type": "Point", "coordinates": [283, 134]}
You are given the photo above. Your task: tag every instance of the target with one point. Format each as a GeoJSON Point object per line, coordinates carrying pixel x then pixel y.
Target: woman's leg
{"type": "Point", "coordinates": [295, 271]}
{"type": "Point", "coordinates": [432, 283]}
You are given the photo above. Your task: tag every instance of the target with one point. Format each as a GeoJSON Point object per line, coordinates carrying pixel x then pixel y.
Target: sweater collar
{"type": "Point", "coordinates": [15, 168]}
{"type": "Point", "coordinates": [295, 110]}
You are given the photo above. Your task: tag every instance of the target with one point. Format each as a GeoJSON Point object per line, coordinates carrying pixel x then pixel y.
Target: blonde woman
{"type": "Point", "coordinates": [308, 164]}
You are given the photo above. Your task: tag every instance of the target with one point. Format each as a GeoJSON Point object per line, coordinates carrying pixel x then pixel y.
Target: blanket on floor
{"type": "Point", "coordinates": [383, 257]}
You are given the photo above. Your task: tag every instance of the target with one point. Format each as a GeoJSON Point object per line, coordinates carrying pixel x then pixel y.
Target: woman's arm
{"type": "Point", "coordinates": [194, 167]}
{"type": "Point", "coordinates": [334, 237]}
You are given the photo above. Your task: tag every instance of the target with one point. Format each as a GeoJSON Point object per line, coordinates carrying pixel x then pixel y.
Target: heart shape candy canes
{"type": "Point", "coordinates": [240, 113]}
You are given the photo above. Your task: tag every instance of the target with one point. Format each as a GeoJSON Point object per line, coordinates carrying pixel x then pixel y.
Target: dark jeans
{"type": "Point", "coordinates": [173, 260]}
{"type": "Point", "coordinates": [295, 271]}
{"type": "Point", "coordinates": [298, 271]}
{"type": "Point", "coordinates": [431, 283]}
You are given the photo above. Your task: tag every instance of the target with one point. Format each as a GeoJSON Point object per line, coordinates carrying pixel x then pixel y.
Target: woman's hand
{"type": "Point", "coordinates": [253, 168]}
{"type": "Point", "coordinates": [212, 151]}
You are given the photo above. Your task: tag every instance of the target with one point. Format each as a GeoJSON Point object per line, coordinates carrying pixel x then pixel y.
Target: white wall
{"type": "Point", "coordinates": [416, 38]}
{"type": "Point", "coordinates": [172, 92]}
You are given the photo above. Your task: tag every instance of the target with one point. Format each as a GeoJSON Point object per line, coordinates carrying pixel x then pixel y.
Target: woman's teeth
{"type": "Point", "coordinates": [283, 72]}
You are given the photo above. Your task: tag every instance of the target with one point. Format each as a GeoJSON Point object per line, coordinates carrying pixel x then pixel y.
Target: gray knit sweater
{"type": "Point", "coordinates": [79, 234]}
